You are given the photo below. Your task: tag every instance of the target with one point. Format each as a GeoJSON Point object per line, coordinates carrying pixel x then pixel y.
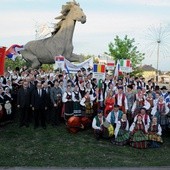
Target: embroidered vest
{"type": "Point", "coordinates": [123, 99]}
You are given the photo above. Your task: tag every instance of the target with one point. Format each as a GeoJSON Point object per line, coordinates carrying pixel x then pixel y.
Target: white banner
{"type": "Point", "coordinates": [75, 67]}
{"type": "Point", "coordinates": [126, 69]}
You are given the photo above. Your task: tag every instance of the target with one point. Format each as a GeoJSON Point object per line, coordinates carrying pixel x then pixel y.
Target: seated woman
{"type": "Point", "coordinates": [122, 131]}
{"type": "Point", "coordinates": [138, 136]}
{"type": "Point", "coordinates": [160, 111]}
{"type": "Point", "coordinates": [154, 134]}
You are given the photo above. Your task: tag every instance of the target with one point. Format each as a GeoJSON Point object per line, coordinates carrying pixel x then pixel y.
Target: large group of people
{"type": "Point", "coordinates": [126, 110]}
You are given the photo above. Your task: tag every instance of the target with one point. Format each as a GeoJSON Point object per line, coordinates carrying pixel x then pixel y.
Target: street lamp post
{"type": "Point", "coordinates": [157, 66]}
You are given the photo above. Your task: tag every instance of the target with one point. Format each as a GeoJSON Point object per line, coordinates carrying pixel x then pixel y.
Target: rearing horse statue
{"type": "Point", "coordinates": [43, 51]}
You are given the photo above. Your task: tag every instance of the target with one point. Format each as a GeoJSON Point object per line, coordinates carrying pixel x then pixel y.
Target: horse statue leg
{"type": "Point", "coordinates": [31, 58]}
{"type": "Point", "coordinates": [75, 57]}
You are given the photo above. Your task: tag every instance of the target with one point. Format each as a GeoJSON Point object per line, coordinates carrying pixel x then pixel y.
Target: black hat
{"type": "Point", "coordinates": [100, 111]}
{"type": "Point", "coordinates": [130, 86]}
{"type": "Point", "coordinates": [143, 108]}
{"type": "Point", "coordinates": [156, 87]}
{"type": "Point", "coordinates": [116, 105]}
{"type": "Point", "coordinates": [139, 87]}
{"type": "Point", "coordinates": [164, 88]}
{"type": "Point", "coordinates": [120, 87]}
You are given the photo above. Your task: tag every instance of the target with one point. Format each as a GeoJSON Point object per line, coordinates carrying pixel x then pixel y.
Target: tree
{"type": "Point", "coordinates": [125, 49]}
{"type": "Point", "coordinates": [19, 62]}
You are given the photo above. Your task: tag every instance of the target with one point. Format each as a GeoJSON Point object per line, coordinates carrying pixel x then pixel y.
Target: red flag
{"type": "Point", "coordinates": [2, 60]}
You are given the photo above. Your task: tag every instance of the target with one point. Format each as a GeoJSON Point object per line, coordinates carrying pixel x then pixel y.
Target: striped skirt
{"type": "Point", "coordinates": [122, 137]}
{"type": "Point", "coordinates": [139, 140]}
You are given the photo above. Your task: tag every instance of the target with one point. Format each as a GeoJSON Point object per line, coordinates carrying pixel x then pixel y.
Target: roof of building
{"type": "Point", "coordinates": [148, 68]}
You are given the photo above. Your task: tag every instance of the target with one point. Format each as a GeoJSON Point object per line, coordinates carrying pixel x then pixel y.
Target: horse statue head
{"type": "Point", "coordinates": [43, 51]}
{"type": "Point", "coordinates": [71, 11]}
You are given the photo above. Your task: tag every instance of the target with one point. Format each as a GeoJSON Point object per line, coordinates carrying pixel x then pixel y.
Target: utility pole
{"type": "Point", "coordinates": [157, 67]}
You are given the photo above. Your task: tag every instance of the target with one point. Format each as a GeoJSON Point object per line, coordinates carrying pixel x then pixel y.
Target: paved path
{"type": "Point", "coordinates": [55, 168]}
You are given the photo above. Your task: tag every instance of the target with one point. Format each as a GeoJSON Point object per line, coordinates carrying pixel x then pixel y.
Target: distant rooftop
{"type": "Point", "coordinates": [148, 68]}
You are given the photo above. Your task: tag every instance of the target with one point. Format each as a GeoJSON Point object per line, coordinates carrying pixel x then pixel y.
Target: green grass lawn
{"type": "Point", "coordinates": [56, 147]}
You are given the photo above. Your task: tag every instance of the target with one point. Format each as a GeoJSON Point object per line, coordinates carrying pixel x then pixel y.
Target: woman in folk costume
{"type": "Point", "coordinates": [2, 102]}
{"type": "Point", "coordinates": [76, 96]}
{"type": "Point", "coordinates": [160, 111]}
{"type": "Point", "coordinates": [87, 105]}
{"type": "Point", "coordinates": [106, 84]}
{"type": "Point", "coordinates": [145, 117]}
{"type": "Point", "coordinates": [121, 100]}
{"type": "Point", "coordinates": [109, 103]}
{"type": "Point", "coordinates": [139, 103]}
{"type": "Point", "coordinates": [68, 103]}
{"type": "Point", "coordinates": [138, 134]}
{"type": "Point", "coordinates": [82, 88]}
{"type": "Point", "coordinates": [8, 99]}
{"type": "Point", "coordinates": [150, 99]}
{"type": "Point", "coordinates": [122, 131]}
{"type": "Point", "coordinates": [154, 134]}
{"type": "Point", "coordinates": [130, 95]}
{"type": "Point", "coordinates": [98, 124]}
{"type": "Point", "coordinates": [167, 100]}
{"type": "Point", "coordinates": [98, 101]}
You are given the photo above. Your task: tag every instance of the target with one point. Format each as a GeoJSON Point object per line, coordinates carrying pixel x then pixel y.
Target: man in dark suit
{"type": "Point", "coordinates": [48, 112]}
{"type": "Point", "coordinates": [23, 104]}
{"type": "Point", "coordinates": [39, 105]}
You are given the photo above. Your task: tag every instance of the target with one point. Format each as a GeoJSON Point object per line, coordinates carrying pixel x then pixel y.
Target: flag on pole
{"type": "Point", "coordinates": [110, 65]}
{"type": "Point", "coordinates": [118, 71]}
{"type": "Point", "coordinates": [100, 68]}
{"type": "Point", "coordinates": [99, 71]}
{"type": "Point", "coordinates": [13, 51]}
{"type": "Point", "coordinates": [2, 60]}
{"type": "Point", "coordinates": [59, 62]}
{"type": "Point", "coordinates": [125, 65]}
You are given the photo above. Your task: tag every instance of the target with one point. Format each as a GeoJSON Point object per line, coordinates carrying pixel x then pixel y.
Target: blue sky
{"type": "Point", "coordinates": [138, 19]}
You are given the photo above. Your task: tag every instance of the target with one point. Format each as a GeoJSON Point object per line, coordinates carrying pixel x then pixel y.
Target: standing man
{"type": "Point", "coordinates": [56, 98]}
{"type": "Point", "coordinates": [23, 104]}
{"type": "Point", "coordinates": [38, 102]}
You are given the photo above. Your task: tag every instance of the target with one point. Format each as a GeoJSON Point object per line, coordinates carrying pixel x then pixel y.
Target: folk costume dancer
{"type": "Point", "coordinates": [138, 134]}
{"type": "Point", "coordinates": [145, 117]}
{"type": "Point", "coordinates": [130, 95]}
{"type": "Point", "coordinates": [139, 103]}
{"type": "Point", "coordinates": [100, 128]}
{"type": "Point", "coordinates": [154, 134]}
{"type": "Point", "coordinates": [87, 105]}
{"type": "Point", "coordinates": [68, 103]}
{"type": "Point", "coordinates": [109, 103]}
{"type": "Point", "coordinates": [160, 111]}
{"type": "Point", "coordinates": [76, 96]}
{"type": "Point", "coordinates": [122, 131]}
{"type": "Point", "coordinates": [121, 100]}
{"type": "Point", "coordinates": [114, 116]}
